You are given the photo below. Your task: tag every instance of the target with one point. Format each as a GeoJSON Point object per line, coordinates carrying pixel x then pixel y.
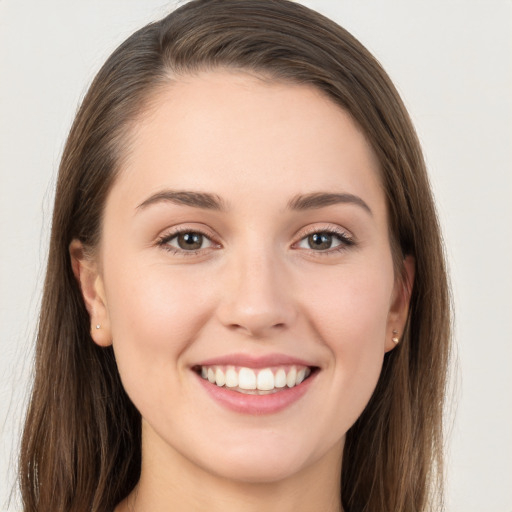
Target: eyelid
{"type": "Point", "coordinates": [172, 232]}
{"type": "Point", "coordinates": [346, 237]}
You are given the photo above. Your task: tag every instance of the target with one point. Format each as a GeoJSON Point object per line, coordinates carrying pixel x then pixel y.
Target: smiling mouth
{"type": "Point", "coordinates": [261, 381]}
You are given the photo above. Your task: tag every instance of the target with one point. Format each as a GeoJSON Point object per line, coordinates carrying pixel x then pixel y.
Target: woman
{"type": "Point", "coordinates": [246, 304]}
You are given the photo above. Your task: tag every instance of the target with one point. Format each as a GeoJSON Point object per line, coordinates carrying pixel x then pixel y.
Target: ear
{"type": "Point", "coordinates": [85, 269]}
{"type": "Point", "coordinates": [399, 309]}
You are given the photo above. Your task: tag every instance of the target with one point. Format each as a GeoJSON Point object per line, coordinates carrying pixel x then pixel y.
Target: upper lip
{"type": "Point", "coordinates": [252, 361]}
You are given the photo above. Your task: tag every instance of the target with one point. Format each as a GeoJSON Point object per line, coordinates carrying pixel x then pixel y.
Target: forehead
{"type": "Point", "coordinates": [240, 135]}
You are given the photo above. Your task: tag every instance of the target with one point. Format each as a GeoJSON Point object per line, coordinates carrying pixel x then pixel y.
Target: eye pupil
{"type": "Point", "coordinates": [190, 241]}
{"type": "Point", "coordinates": [320, 240]}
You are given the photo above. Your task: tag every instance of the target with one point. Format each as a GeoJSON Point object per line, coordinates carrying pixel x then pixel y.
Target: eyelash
{"type": "Point", "coordinates": [346, 241]}
{"type": "Point", "coordinates": [163, 241]}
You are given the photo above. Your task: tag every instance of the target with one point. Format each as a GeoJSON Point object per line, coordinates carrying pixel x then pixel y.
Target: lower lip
{"type": "Point", "coordinates": [256, 404]}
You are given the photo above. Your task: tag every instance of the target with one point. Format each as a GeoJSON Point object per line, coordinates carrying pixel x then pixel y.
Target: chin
{"type": "Point", "coordinates": [257, 472]}
{"type": "Point", "coordinates": [262, 463]}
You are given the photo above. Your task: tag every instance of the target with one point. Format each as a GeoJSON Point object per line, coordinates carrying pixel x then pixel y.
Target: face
{"type": "Point", "coordinates": [245, 276]}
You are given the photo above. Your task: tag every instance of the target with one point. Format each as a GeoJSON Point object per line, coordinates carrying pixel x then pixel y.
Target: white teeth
{"type": "Point", "coordinates": [265, 380]}
{"type": "Point", "coordinates": [291, 378]}
{"type": "Point", "coordinates": [300, 376]}
{"type": "Point", "coordinates": [231, 378]}
{"type": "Point", "coordinates": [246, 378]}
{"type": "Point", "coordinates": [280, 378]}
{"type": "Point", "coordinates": [220, 378]}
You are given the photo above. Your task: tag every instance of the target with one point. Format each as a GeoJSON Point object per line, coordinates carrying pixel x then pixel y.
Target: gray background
{"type": "Point", "coordinates": [451, 61]}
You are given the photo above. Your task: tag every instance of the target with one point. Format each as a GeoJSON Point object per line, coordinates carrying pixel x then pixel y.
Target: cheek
{"type": "Point", "coordinates": [351, 307]}
{"type": "Point", "coordinates": [349, 314]}
{"type": "Point", "coordinates": [155, 313]}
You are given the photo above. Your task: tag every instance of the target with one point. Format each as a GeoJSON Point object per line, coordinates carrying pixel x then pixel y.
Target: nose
{"type": "Point", "coordinates": [257, 296]}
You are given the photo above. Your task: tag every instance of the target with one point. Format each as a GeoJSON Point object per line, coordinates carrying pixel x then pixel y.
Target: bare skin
{"type": "Point", "coordinates": [249, 219]}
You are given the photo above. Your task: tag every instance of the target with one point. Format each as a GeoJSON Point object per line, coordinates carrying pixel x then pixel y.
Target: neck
{"type": "Point", "coordinates": [171, 482]}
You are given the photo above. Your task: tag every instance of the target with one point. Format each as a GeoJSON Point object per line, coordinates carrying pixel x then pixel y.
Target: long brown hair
{"type": "Point", "coordinates": [81, 447]}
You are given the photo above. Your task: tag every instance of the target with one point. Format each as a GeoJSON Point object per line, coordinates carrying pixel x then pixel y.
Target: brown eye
{"type": "Point", "coordinates": [326, 241]}
{"type": "Point", "coordinates": [190, 241]}
{"type": "Point", "coordinates": [320, 241]}
{"type": "Point", "coordinates": [186, 241]}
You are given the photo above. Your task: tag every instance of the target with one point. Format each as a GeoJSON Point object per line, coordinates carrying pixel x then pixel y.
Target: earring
{"type": "Point", "coordinates": [395, 338]}
{"type": "Point", "coordinates": [98, 326]}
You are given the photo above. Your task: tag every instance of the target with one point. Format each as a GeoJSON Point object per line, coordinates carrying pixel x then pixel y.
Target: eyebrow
{"type": "Point", "coordinates": [208, 201]}
{"type": "Point", "coordinates": [202, 200]}
{"type": "Point", "coordinates": [322, 199]}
